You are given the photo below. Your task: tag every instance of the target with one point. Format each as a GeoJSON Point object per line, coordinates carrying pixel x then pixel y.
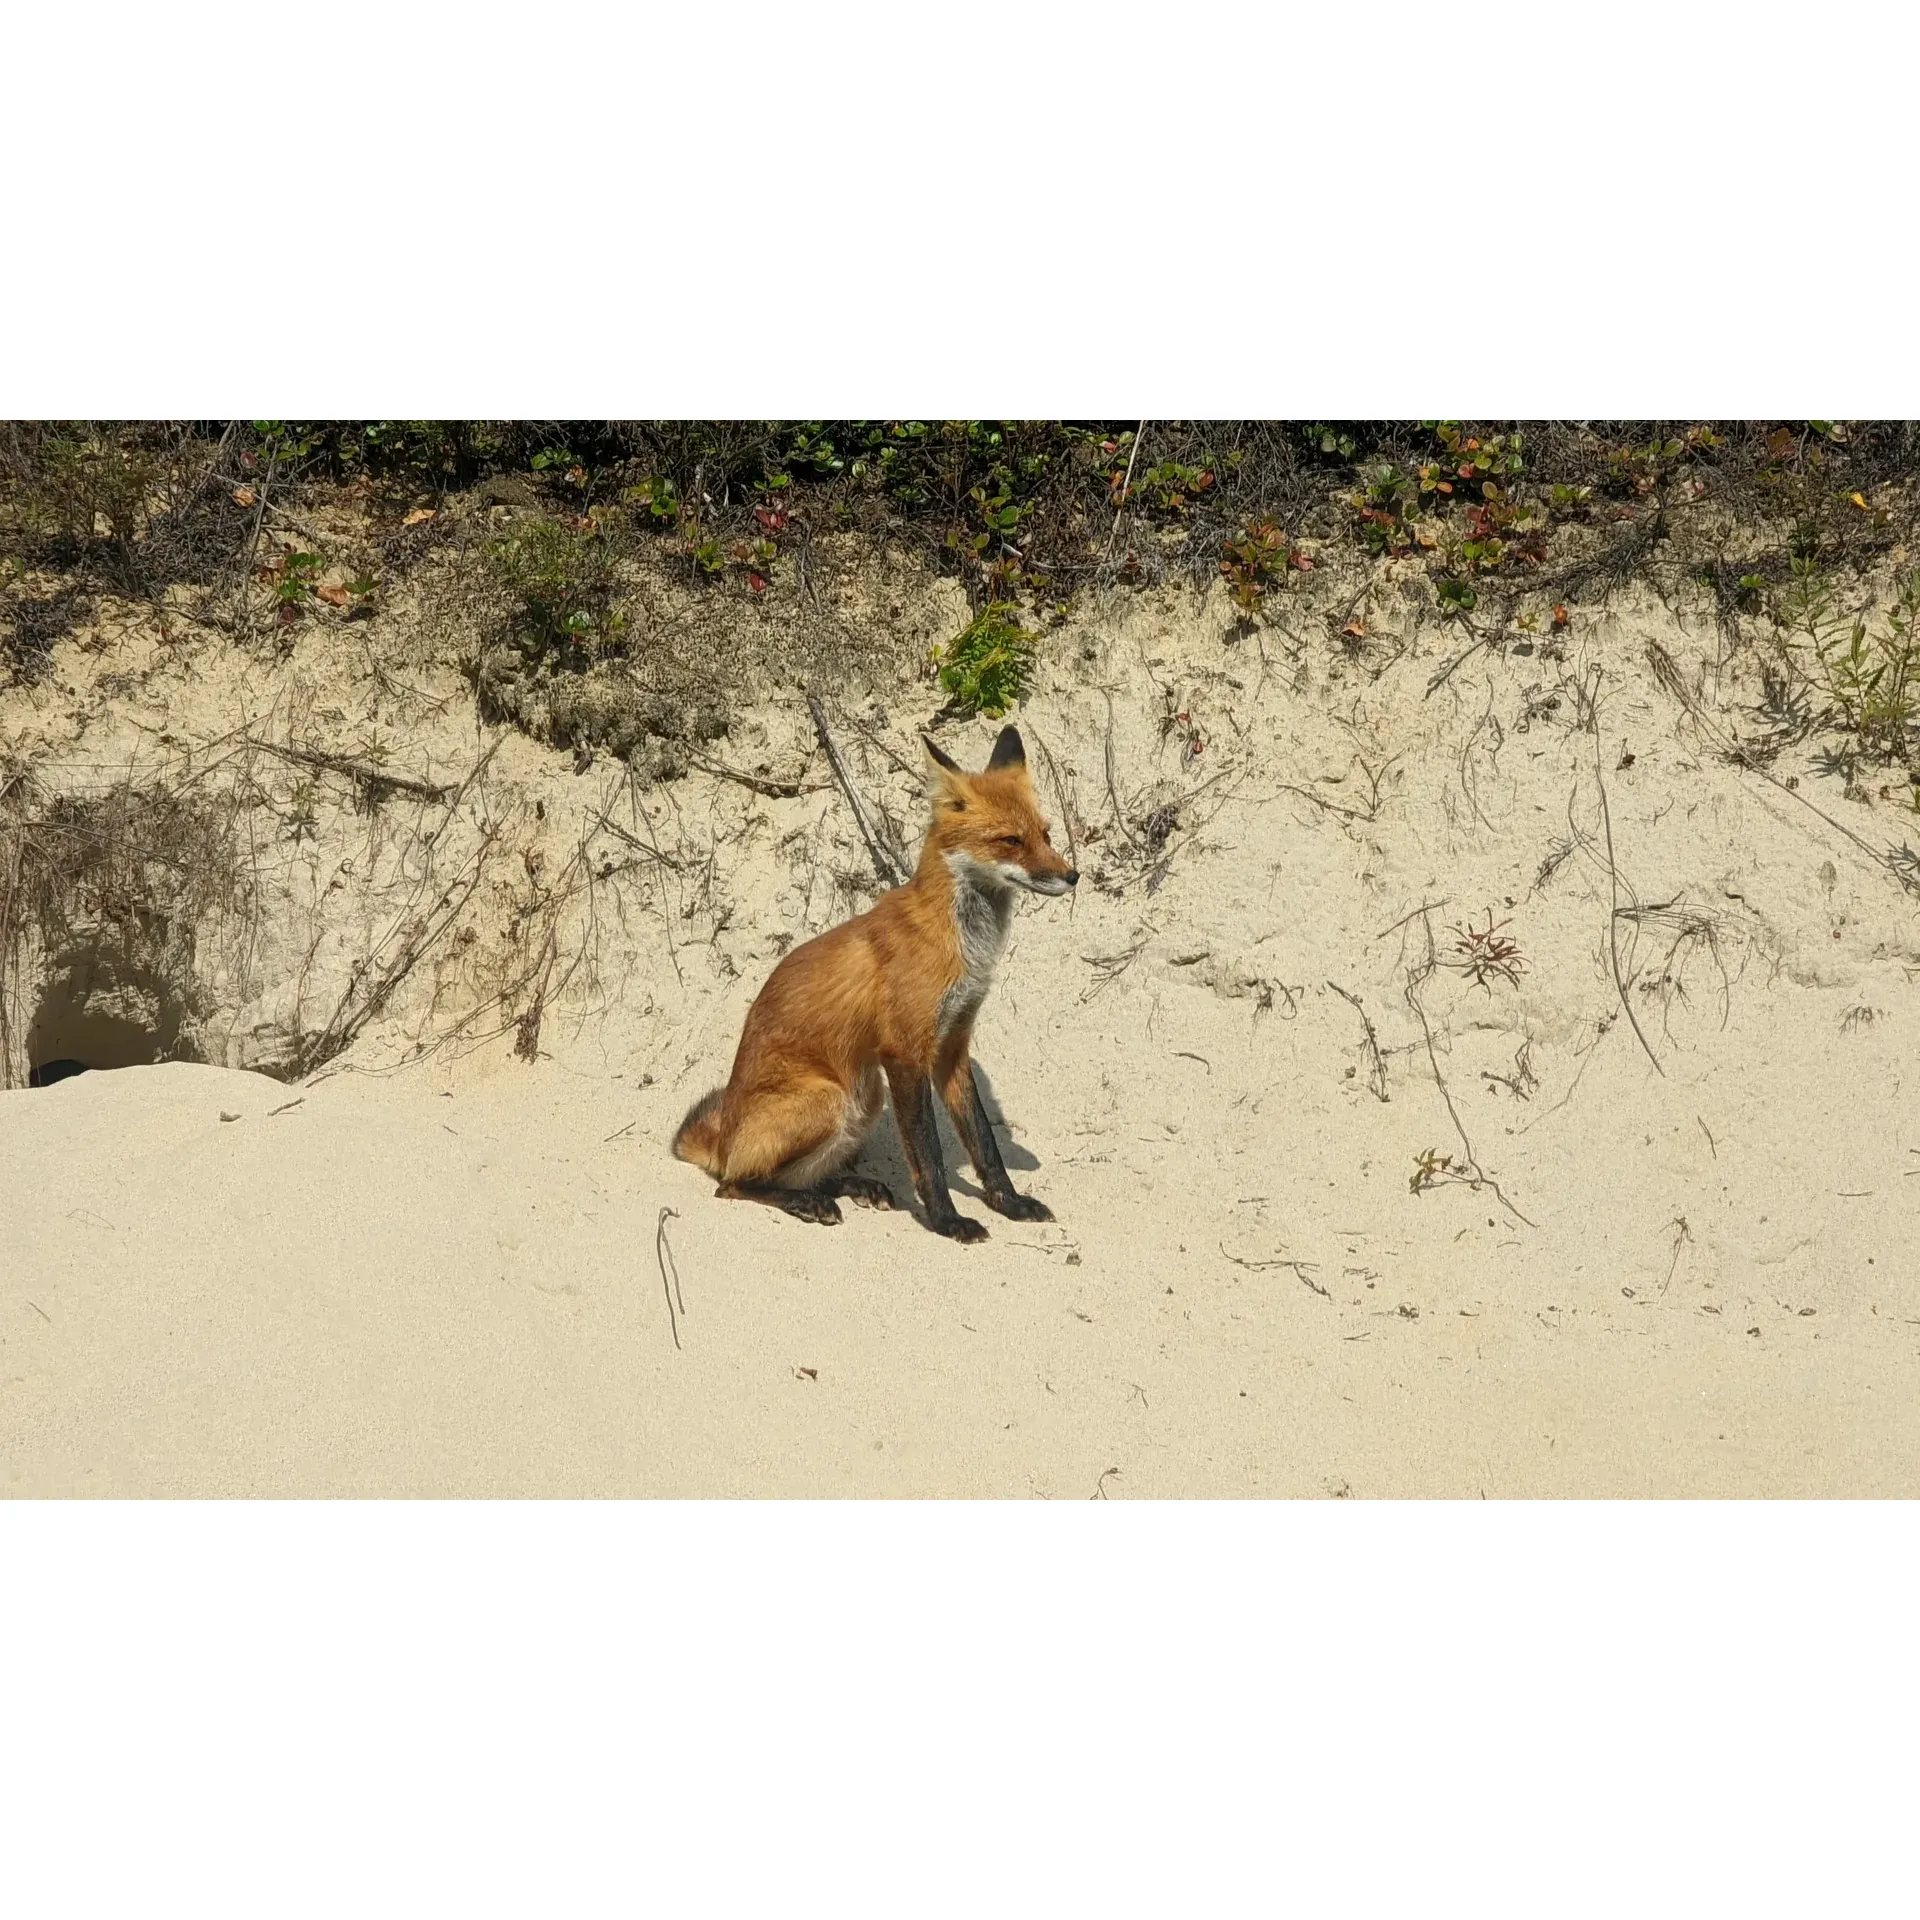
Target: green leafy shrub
{"type": "Point", "coordinates": [562, 580]}
{"type": "Point", "coordinates": [1869, 675]}
{"type": "Point", "coordinates": [1332, 439]}
{"type": "Point", "coordinates": [408, 456]}
{"type": "Point", "coordinates": [810, 450]}
{"type": "Point", "coordinates": [1171, 485]}
{"type": "Point", "coordinates": [986, 668]}
{"type": "Point", "coordinates": [1469, 462]}
{"type": "Point", "coordinates": [293, 583]}
{"type": "Point", "coordinates": [1256, 561]}
{"type": "Point", "coordinates": [658, 498]}
{"type": "Point", "coordinates": [1000, 514]}
{"type": "Point", "coordinates": [1500, 528]}
{"type": "Point", "coordinates": [88, 483]}
{"type": "Point", "coordinates": [1383, 512]}
{"type": "Point", "coordinates": [1637, 469]}
{"type": "Point", "coordinates": [757, 559]}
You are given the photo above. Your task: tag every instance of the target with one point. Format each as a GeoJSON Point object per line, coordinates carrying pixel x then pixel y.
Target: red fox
{"type": "Point", "coordinates": [891, 995]}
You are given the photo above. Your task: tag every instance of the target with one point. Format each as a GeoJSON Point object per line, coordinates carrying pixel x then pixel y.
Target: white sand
{"type": "Point", "coordinates": [443, 1280]}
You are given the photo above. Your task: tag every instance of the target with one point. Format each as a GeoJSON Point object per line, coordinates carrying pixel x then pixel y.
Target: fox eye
{"type": "Point", "coordinates": [1006, 840]}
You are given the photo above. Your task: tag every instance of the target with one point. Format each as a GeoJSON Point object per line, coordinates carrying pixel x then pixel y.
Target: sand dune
{"type": "Point", "coordinates": [1697, 1279]}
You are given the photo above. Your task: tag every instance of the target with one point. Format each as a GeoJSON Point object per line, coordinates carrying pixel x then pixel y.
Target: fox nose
{"type": "Point", "coordinates": [1072, 876]}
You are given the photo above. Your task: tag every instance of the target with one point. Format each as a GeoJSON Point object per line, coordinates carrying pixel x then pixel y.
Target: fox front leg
{"type": "Point", "coordinates": [920, 1141]}
{"type": "Point", "coordinates": [969, 1111]}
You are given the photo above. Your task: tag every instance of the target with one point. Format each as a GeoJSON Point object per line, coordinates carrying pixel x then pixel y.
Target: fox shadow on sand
{"type": "Point", "coordinates": [880, 1156]}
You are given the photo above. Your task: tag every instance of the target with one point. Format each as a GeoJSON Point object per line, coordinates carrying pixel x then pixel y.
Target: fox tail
{"type": "Point", "coordinates": [698, 1138]}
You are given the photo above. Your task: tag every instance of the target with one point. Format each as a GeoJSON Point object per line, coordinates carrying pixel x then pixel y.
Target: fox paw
{"type": "Point", "coordinates": [866, 1193]}
{"type": "Point", "coordinates": [1021, 1206]}
{"type": "Point", "coordinates": [960, 1228]}
{"type": "Point", "coordinates": [820, 1208]}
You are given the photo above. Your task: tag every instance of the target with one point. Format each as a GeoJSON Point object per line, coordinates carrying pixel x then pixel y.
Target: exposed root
{"type": "Point", "coordinates": [1377, 1070]}
{"type": "Point", "coordinates": [1468, 1168]}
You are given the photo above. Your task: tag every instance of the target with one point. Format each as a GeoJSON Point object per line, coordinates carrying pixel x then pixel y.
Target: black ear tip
{"type": "Point", "coordinates": [936, 756]}
{"type": "Point", "coordinates": [1009, 750]}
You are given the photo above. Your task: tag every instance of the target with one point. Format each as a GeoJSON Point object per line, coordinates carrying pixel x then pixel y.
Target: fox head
{"type": "Point", "coordinates": [988, 824]}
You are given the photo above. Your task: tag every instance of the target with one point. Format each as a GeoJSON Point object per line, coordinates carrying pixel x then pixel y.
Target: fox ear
{"type": "Point", "coordinates": [949, 783]}
{"type": "Point", "coordinates": [1008, 751]}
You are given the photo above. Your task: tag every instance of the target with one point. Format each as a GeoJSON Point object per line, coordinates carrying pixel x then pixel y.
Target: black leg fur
{"type": "Point", "coordinates": [804, 1203]}
{"type": "Point", "coordinates": [976, 1133]}
{"type": "Point", "coordinates": [920, 1141]}
{"type": "Point", "coordinates": [862, 1191]}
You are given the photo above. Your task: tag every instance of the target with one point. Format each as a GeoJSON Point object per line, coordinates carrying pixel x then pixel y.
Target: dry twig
{"type": "Point", "coordinates": [1126, 487]}
{"type": "Point", "coordinates": [375, 781]}
{"type": "Point", "coordinates": [663, 1253]}
{"type": "Point", "coordinates": [884, 863]}
{"type": "Point", "coordinates": [1377, 1073]}
{"type": "Point", "coordinates": [773, 789]}
{"type": "Point", "coordinates": [1468, 1168]}
{"type": "Point", "coordinates": [1303, 1270]}
{"type": "Point", "coordinates": [1613, 880]}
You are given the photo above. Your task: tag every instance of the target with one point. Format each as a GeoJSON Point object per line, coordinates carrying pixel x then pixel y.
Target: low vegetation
{"type": "Point", "coordinates": [1502, 526]}
{"type": "Point", "coordinates": [986, 668]}
{"type": "Point", "coordinates": [561, 581]}
{"type": "Point", "coordinates": [1864, 667]}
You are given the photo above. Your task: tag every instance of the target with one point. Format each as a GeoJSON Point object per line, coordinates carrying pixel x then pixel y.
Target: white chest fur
{"type": "Point", "coordinates": [982, 913]}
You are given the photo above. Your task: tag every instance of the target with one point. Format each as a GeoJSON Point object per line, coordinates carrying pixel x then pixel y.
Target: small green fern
{"type": "Point", "coordinates": [986, 668]}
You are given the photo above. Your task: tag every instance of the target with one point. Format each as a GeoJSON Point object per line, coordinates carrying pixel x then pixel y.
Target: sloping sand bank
{"type": "Point", "coordinates": [1265, 1277]}
{"type": "Point", "coordinates": [385, 1291]}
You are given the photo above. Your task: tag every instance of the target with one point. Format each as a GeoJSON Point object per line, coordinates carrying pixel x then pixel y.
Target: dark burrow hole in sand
{"type": "Point", "coordinates": [95, 1015]}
